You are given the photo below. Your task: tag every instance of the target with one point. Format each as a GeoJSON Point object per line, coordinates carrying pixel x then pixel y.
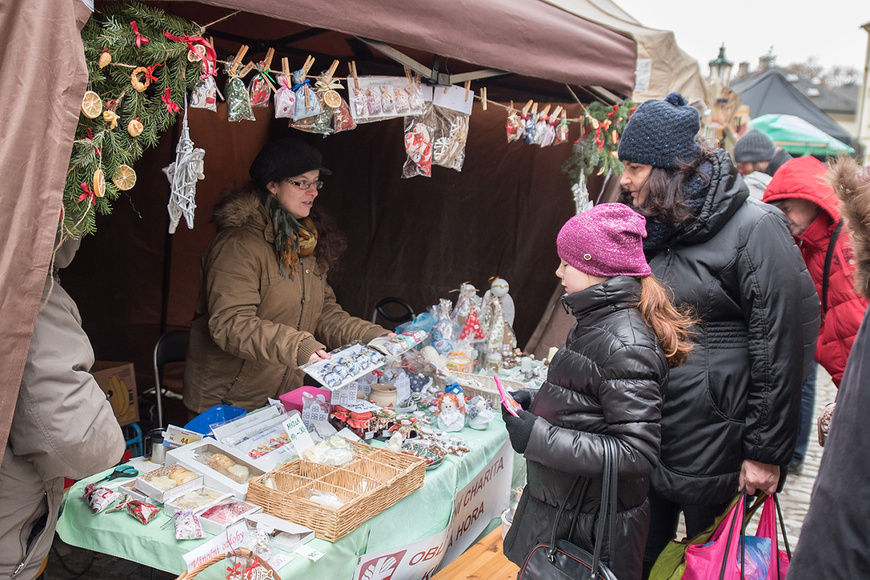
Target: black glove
{"type": "Point", "coordinates": [523, 397]}
{"type": "Point", "coordinates": [519, 428]}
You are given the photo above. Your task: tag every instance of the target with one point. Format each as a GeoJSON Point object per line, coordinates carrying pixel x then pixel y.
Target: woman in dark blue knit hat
{"type": "Point", "coordinates": [730, 415]}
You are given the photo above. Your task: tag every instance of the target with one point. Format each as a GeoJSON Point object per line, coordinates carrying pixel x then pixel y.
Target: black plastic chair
{"type": "Point", "coordinates": [406, 313]}
{"type": "Point", "coordinates": [170, 348]}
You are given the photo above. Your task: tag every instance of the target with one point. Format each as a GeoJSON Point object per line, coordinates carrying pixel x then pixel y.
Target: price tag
{"type": "Point", "coordinates": [278, 561]}
{"type": "Point", "coordinates": [361, 406]}
{"type": "Point", "coordinates": [299, 436]}
{"type": "Point", "coordinates": [309, 553]}
{"type": "Point", "coordinates": [176, 436]}
{"type": "Point", "coordinates": [403, 388]}
{"type": "Point", "coordinates": [345, 395]}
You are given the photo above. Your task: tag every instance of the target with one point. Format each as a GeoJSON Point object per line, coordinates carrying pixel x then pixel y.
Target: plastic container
{"type": "Point", "coordinates": [218, 414]}
{"type": "Point", "coordinates": [293, 399]}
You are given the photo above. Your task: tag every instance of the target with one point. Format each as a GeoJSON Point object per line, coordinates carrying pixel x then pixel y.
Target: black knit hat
{"type": "Point", "coordinates": [661, 132]}
{"type": "Point", "coordinates": [754, 146]}
{"type": "Point", "coordinates": [285, 158]}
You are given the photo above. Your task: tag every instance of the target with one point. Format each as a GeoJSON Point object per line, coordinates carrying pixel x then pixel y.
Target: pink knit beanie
{"type": "Point", "coordinates": [605, 241]}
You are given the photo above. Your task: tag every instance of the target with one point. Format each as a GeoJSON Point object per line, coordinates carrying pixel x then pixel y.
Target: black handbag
{"type": "Point", "coordinates": [563, 560]}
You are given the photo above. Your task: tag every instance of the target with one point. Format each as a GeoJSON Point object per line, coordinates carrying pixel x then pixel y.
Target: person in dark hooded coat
{"type": "Point", "coordinates": [608, 379]}
{"type": "Point", "coordinates": [731, 415]}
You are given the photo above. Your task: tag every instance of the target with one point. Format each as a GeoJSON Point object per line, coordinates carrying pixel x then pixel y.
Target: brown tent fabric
{"type": "Point", "coordinates": [43, 67]}
{"type": "Point", "coordinates": [526, 37]}
{"type": "Point", "coordinates": [132, 280]}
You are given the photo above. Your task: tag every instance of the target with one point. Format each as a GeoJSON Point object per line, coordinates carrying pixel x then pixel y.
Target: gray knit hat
{"type": "Point", "coordinates": [661, 132]}
{"type": "Point", "coordinates": [754, 146]}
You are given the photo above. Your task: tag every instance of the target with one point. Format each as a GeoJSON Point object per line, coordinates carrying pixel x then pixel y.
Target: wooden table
{"type": "Point", "coordinates": [483, 560]}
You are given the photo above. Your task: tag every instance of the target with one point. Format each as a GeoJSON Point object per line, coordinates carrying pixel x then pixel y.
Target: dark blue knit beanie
{"type": "Point", "coordinates": [660, 132]}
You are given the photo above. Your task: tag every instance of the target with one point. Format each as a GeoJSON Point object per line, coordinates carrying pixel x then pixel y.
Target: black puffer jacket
{"type": "Point", "coordinates": [738, 395]}
{"type": "Point", "coordinates": [608, 379]}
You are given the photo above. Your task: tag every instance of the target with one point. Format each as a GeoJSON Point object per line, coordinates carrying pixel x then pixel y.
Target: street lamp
{"type": "Point", "coordinates": [720, 68]}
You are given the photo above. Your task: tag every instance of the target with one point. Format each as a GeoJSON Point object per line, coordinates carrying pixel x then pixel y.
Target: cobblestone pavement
{"type": "Point", "coordinates": [795, 496]}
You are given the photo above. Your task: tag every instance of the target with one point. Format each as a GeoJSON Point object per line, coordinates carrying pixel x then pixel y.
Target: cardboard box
{"type": "Point", "coordinates": [118, 381]}
{"type": "Point", "coordinates": [285, 535]}
{"type": "Point", "coordinates": [217, 518]}
{"type": "Point", "coordinates": [143, 484]}
{"type": "Point", "coordinates": [187, 457]}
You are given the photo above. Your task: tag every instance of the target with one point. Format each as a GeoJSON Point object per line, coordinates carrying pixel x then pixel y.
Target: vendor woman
{"type": "Point", "coordinates": [264, 306]}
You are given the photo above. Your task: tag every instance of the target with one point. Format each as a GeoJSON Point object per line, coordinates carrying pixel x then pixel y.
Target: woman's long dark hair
{"type": "Point", "coordinates": [331, 242]}
{"type": "Point", "coordinates": [664, 201]}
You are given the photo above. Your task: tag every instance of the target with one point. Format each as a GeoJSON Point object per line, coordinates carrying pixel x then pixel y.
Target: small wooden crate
{"type": "Point", "coordinates": [485, 386]}
{"type": "Point", "coordinates": [375, 480]}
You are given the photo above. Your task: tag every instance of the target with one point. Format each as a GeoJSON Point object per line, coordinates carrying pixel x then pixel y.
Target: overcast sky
{"type": "Point", "coordinates": [829, 31]}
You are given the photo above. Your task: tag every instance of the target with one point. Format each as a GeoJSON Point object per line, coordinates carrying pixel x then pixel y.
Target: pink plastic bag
{"type": "Point", "coordinates": [704, 562]}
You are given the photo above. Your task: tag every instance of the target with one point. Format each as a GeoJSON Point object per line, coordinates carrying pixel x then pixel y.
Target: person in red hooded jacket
{"type": "Point", "coordinates": [801, 191]}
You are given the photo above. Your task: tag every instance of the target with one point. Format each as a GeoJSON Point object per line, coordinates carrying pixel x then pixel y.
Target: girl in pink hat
{"type": "Point", "coordinates": [608, 379]}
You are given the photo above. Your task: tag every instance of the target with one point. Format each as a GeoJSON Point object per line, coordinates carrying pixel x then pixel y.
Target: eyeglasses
{"type": "Point", "coordinates": [305, 185]}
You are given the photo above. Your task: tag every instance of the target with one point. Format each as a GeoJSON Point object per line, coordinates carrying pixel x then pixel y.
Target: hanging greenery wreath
{"type": "Point", "coordinates": [138, 73]}
{"type": "Point", "coordinates": [601, 129]}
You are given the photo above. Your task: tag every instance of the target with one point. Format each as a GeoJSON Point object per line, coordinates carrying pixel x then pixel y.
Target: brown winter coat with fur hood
{"type": "Point", "coordinates": [253, 327]}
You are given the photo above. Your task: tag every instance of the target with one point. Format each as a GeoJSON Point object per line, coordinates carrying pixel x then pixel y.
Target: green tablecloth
{"type": "Point", "coordinates": [418, 516]}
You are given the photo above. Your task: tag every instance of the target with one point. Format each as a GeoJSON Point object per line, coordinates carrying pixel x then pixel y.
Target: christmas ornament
{"type": "Point", "coordinates": [140, 86]}
{"type": "Point", "coordinates": [124, 178]}
{"type": "Point", "coordinates": [471, 328]}
{"type": "Point", "coordinates": [134, 127]}
{"type": "Point", "coordinates": [183, 174]}
{"type": "Point", "coordinates": [99, 183]}
{"type": "Point", "coordinates": [92, 105]}
{"type": "Point", "coordinates": [111, 117]}
{"type": "Point", "coordinates": [105, 59]}
{"type": "Point", "coordinates": [204, 96]}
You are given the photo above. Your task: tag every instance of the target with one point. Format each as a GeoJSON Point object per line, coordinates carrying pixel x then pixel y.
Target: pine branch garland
{"type": "Point", "coordinates": [601, 128]}
{"type": "Point", "coordinates": [97, 145]}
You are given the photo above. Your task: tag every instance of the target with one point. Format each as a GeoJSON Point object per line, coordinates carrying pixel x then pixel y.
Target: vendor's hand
{"type": "Point", "coordinates": [523, 397]}
{"type": "Point", "coordinates": [519, 428]}
{"type": "Point", "coordinates": [756, 476]}
{"type": "Point", "coordinates": [319, 355]}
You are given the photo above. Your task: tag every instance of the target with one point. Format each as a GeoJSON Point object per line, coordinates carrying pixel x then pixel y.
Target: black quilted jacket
{"type": "Point", "coordinates": [608, 378]}
{"type": "Point", "coordinates": [738, 395]}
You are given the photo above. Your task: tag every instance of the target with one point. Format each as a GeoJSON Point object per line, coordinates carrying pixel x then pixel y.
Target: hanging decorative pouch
{"type": "Point", "coordinates": [418, 144]}
{"type": "Point", "coordinates": [562, 130]}
{"type": "Point", "coordinates": [307, 104]}
{"type": "Point", "coordinates": [329, 99]}
{"type": "Point", "coordinates": [262, 86]}
{"type": "Point", "coordinates": [542, 122]}
{"type": "Point", "coordinates": [548, 131]}
{"type": "Point", "coordinates": [529, 123]}
{"type": "Point", "coordinates": [514, 126]}
{"type": "Point", "coordinates": [285, 98]}
{"type": "Point", "coordinates": [357, 95]}
{"type": "Point", "coordinates": [238, 100]}
{"type": "Point", "coordinates": [204, 96]}
{"type": "Point", "coordinates": [448, 149]}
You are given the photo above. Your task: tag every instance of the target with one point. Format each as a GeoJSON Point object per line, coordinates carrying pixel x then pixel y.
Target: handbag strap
{"type": "Point", "coordinates": [827, 271]}
{"type": "Point", "coordinates": [607, 509]}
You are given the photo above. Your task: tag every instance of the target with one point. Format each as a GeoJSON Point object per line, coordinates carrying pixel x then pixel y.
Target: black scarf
{"type": "Point", "coordinates": [695, 191]}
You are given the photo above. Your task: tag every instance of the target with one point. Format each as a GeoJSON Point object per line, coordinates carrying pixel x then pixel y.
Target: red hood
{"type": "Point", "coordinates": [804, 178]}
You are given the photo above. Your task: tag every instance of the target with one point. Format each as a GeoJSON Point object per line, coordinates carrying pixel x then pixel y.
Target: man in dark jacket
{"type": "Point", "coordinates": [730, 417]}
{"type": "Point", "coordinates": [755, 151]}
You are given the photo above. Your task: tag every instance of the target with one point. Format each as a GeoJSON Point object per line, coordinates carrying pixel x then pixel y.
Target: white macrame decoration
{"type": "Point", "coordinates": [183, 174]}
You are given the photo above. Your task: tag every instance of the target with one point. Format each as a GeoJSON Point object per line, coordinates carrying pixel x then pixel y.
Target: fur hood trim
{"type": "Point", "coordinates": [854, 197]}
{"type": "Point", "coordinates": [240, 206]}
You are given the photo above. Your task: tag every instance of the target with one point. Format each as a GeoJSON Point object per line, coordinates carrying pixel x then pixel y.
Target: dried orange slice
{"type": "Point", "coordinates": [125, 177]}
{"type": "Point", "coordinates": [332, 99]}
{"type": "Point", "coordinates": [92, 105]}
{"type": "Point", "coordinates": [99, 183]}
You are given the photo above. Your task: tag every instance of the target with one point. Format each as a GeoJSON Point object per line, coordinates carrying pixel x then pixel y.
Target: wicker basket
{"type": "Point", "coordinates": [485, 386]}
{"type": "Point", "coordinates": [241, 552]}
{"type": "Point", "coordinates": [375, 480]}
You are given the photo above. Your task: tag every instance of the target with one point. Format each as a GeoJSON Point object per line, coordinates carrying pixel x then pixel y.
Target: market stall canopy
{"type": "Point", "coordinates": [799, 137]}
{"type": "Point", "coordinates": [662, 66]}
{"type": "Point", "coordinates": [528, 38]}
{"type": "Point", "coordinates": [771, 93]}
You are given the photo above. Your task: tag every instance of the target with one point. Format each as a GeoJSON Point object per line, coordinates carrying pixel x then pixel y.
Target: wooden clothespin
{"type": "Point", "coordinates": [528, 106]}
{"type": "Point", "coordinates": [467, 89]}
{"type": "Point", "coordinates": [483, 97]}
{"type": "Point", "coordinates": [557, 111]}
{"type": "Point", "coordinates": [535, 110]}
{"type": "Point", "coordinates": [545, 111]}
{"type": "Point", "coordinates": [247, 68]}
{"type": "Point", "coordinates": [331, 72]}
{"type": "Point", "coordinates": [309, 62]}
{"type": "Point", "coordinates": [353, 73]}
{"type": "Point", "coordinates": [239, 56]}
{"type": "Point", "coordinates": [267, 62]}
{"type": "Point", "coordinates": [408, 75]}
{"type": "Point", "coordinates": [285, 70]}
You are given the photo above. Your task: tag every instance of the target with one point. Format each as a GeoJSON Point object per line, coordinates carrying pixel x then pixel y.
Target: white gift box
{"type": "Point", "coordinates": [172, 505]}
{"type": "Point", "coordinates": [187, 456]}
{"type": "Point", "coordinates": [144, 483]}
{"type": "Point", "coordinates": [285, 535]}
{"type": "Point", "coordinates": [213, 525]}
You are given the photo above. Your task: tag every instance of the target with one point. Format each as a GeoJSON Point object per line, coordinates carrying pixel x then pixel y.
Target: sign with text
{"type": "Point", "coordinates": [299, 435]}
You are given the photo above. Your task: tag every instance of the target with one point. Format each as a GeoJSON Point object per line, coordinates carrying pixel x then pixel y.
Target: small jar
{"type": "Point", "coordinates": [383, 395]}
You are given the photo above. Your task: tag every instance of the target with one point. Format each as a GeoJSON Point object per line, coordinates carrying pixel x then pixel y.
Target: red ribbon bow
{"type": "Point", "coordinates": [140, 40]}
{"type": "Point", "coordinates": [192, 42]}
{"type": "Point", "coordinates": [149, 72]}
{"type": "Point", "coordinates": [88, 194]}
{"type": "Point", "coordinates": [170, 106]}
